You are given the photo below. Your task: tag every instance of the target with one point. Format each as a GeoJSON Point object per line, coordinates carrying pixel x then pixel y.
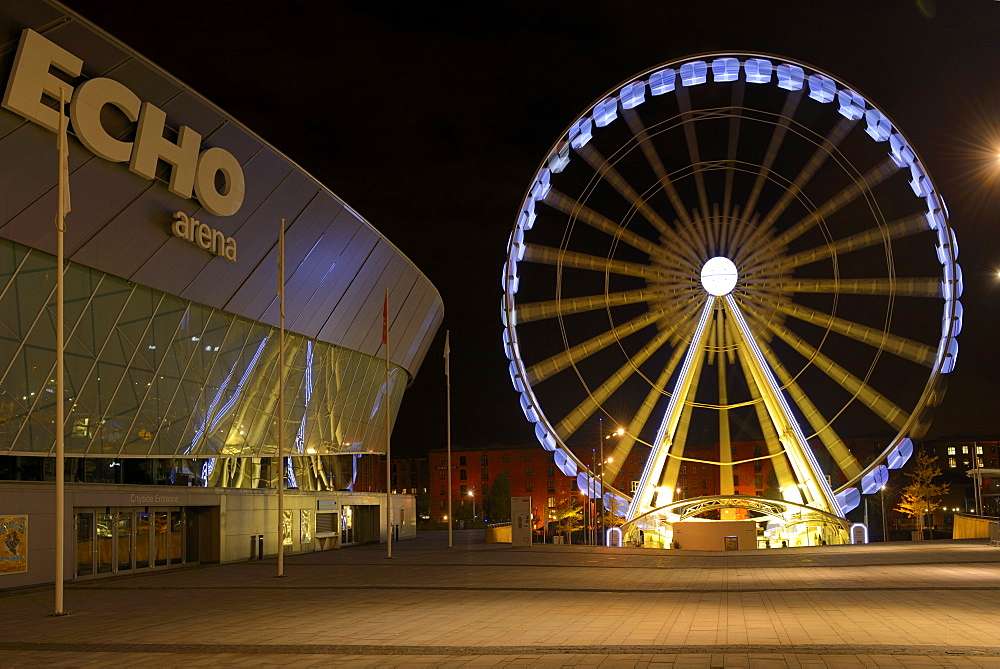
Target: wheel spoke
{"type": "Point", "coordinates": [820, 156]}
{"type": "Point", "coordinates": [902, 227]}
{"type": "Point", "coordinates": [638, 422]}
{"type": "Point", "coordinates": [882, 406]}
{"type": "Point", "coordinates": [653, 158]}
{"type": "Point", "coordinates": [845, 460]}
{"type": "Point", "coordinates": [807, 469]}
{"type": "Point", "coordinates": [607, 171]}
{"type": "Point", "coordinates": [902, 347]}
{"type": "Point", "coordinates": [910, 287]}
{"type": "Point", "coordinates": [598, 396]}
{"type": "Point", "coordinates": [725, 442]}
{"type": "Point", "coordinates": [866, 183]}
{"type": "Point", "coordinates": [777, 137]}
{"type": "Point", "coordinates": [578, 211]}
{"type": "Point", "coordinates": [668, 426]}
{"type": "Point", "coordinates": [734, 137]}
{"type": "Point", "coordinates": [537, 311]}
{"type": "Point", "coordinates": [779, 459]}
{"type": "Point", "coordinates": [691, 135]}
{"type": "Point", "coordinates": [547, 255]}
{"type": "Point", "coordinates": [571, 356]}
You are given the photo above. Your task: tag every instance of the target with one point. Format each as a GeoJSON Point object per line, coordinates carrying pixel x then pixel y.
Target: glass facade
{"type": "Point", "coordinates": [150, 375]}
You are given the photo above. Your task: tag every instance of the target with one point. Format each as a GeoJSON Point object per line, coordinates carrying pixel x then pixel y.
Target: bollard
{"type": "Point", "coordinates": [260, 546]}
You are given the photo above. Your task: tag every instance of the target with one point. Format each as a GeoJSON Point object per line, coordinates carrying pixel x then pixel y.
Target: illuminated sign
{"type": "Point", "coordinates": [214, 175]}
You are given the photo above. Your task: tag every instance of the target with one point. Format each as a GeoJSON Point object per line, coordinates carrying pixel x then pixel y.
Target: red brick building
{"type": "Point", "coordinates": [531, 470]}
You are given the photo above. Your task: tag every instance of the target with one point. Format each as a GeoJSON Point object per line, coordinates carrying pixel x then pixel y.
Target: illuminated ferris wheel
{"type": "Point", "coordinates": [732, 248]}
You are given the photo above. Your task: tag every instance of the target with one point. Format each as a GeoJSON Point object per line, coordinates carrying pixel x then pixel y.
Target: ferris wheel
{"type": "Point", "coordinates": [732, 247]}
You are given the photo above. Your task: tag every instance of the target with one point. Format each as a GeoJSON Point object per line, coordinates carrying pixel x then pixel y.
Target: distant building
{"type": "Point", "coordinates": [957, 456]}
{"type": "Point", "coordinates": [532, 473]}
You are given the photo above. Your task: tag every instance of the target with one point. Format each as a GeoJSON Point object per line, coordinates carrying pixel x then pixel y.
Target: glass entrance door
{"type": "Point", "coordinates": [120, 540]}
{"type": "Point", "coordinates": [84, 524]}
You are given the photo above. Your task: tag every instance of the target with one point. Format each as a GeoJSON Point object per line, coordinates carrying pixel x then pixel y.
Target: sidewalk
{"type": "Point", "coordinates": [934, 604]}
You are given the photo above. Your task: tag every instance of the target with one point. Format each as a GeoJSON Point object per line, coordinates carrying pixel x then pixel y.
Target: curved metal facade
{"type": "Point", "coordinates": [169, 347]}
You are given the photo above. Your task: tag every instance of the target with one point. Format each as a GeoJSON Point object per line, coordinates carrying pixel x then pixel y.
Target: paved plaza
{"type": "Point", "coordinates": [927, 604]}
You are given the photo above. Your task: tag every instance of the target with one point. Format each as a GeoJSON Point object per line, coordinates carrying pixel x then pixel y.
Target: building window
{"type": "Point", "coordinates": [552, 502]}
{"type": "Point", "coordinates": [506, 472]}
{"type": "Point", "coordinates": [443, 491]}
{"type": "Point", "coordinates": [684, 468]}
{"type": "Point", "coordinates": [441, 506]}
{"type": "Point", "coordinates": [462, 475]}
{"type": "Point", "coordinates": [485, 460]}
{"type": "Point", "coordinates": [704, 469]}
{"type": "Point", "coordinates": [758, 466]}
{"type": "Point", "coordinates": [704, 484]}
{"type": "Point", "coordinates": [484, 474]}
{"type": "Point", "coordinates": [756, 450]}
{"type": "Point", "coordinates": [552, 486]}
{"type": "Point", "coordinates": [732, 451]}
{"type": "Point", "coordinates": [736, 479]}
{"type": "Point", "coordinates": [527, 486]}
{"type": "Point", "coordinates": [758, 481]}
{"type": "Point", "coordinates": [442, 476]}
{"type": "Point", "coordinates": [951, 450]}
{"type": "Point", "coordinates": [952, 462]}
{"type": "Point", "coordinates": [441, 461]}
{"type": "Point", "coordinates": [506, 457]}
{"type": "Point", "coordinates": [551, 471]}
{"type": "Point", "coordinates": [527, 471]}
{"type": "Point", "coordinates": [461, 460]}
{"type": "Point", "coordinates": [527, 456]}
{"type": "Point", "coordinates": [486, 489]}
{"type": "Point", "coordinates": [573, 487]}
{"type": "Point", "coordinates": [464, 490]}
{"type": "Point", "coordinates": [979, 450]}
{"type": "Point", "coordinates": [965, 450]}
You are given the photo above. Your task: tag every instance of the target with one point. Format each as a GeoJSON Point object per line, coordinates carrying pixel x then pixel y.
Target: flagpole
{"type": "Point", "coordinates": [447, 377]}
{"type": "Point", "coordinates": [63, 207]}
{"type": "Point", "coordinates": [388, 406]}
{"type": "Point", "coordinates": [281, 401]}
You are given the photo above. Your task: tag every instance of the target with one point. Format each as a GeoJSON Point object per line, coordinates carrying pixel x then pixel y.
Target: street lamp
{"type": "Point", "coordinates": [882, 495]}
{"type": "Point", "coordinates": [472, 494]}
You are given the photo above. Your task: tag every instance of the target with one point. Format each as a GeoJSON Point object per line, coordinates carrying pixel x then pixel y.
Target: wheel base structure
{"type": "Point", "coordinates": [780, 524]}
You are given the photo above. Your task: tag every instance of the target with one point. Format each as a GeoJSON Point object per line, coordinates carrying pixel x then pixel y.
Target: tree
{"type": "Point", "coordinates": [498, 502]}
{"type": "Point", "coordinates": [921, 496]}
{"type": "Point", "coordinates": [569, 516]}
{"type": "Point", "coordinates": [614, 513]}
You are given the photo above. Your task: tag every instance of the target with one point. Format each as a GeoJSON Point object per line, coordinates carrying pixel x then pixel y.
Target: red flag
{"type": "Point", "coordinates": [385, 318]}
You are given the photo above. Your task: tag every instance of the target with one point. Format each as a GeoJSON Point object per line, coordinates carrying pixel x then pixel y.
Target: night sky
{"type": "Point", "coordinates": [431, 123]}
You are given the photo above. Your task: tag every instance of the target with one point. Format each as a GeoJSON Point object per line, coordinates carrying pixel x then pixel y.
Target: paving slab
{"type": "Point", "coordinates": [933, 604]}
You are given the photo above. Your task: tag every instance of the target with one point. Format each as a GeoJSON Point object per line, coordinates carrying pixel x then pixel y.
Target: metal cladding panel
{"type": "Point", "coordinates": [342, 273]}
{"type": "Point", "coordinates": [361, 304]}
{"type": "Point", "coordinates": [147, 82]}
{"type": "Point", "coordinates": [99, 187]}
{"type": "Point", "coordinates": [258, 294]}
{"type": "Point", "coordinates": [219, 280]}
{"type": "Point", "coordinates": [337, 266]}
{"type": "Point", "coordinates": [174, 270]}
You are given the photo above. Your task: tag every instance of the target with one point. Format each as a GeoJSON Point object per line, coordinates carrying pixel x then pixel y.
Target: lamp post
{"type": "Point", "coordinates": [884, 530]}
{"type": "Point", "coordinates": [617, 433]}
{"type": "Point", "coordinates": [472, 494]}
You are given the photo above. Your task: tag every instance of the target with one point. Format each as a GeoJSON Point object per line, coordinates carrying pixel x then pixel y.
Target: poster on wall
{"type": "Point", "coordinates": [13, 544]}
{"type": "Point", "coordinates": [305, 525]}
{"type": "Point", "coordinates": [286, 527]}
